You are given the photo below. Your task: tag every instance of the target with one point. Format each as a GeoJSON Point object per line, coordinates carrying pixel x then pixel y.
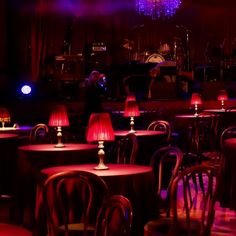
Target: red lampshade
{"type": "Point", "coordinates": [196, 99]}
{"type": "Point", "coordinates": [4, 115]}
{"type": "Point", "coordinates": [100, 128]}
{"type": "Point", "coordinates": [131, 109]}
{"type": "Point", "coordinates": [130, 98]}
{"type": "Point", "coordinates": [59, 117]}
{"type": "Point", "coordinates": [222, 96]}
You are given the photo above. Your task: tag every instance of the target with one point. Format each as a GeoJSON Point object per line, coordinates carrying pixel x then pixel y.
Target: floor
{"type": "Point", "coordinates": [224, 223]}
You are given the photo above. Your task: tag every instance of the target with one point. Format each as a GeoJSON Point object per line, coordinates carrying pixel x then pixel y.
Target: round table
{"type": "Point", "coordinates": [133, 181]}
{"type": "Point", "coordinates": [139, 133]}
{"type": "Point", "coordinates": [21, 130]}
{"type": "Point", "coordinates": [227, 183]}
{"type": "Point", "coordinates": [41, 156]}
{"type": "Point", "coordinates": [148, 142]}
{"type": "Point", "coordinates": [7, 136]}
{"type": "Point", "coordinates": [33, 158]}
{"type": "Point", "coordinates": [215, 110]}
{"type": "Point", "coordinates": [194, 130]}
{"type": "Point", "coordinates": [227, 117]}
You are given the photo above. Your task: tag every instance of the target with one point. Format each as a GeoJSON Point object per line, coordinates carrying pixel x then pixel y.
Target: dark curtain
{"type": "Point", "coordinates": [45, 22]}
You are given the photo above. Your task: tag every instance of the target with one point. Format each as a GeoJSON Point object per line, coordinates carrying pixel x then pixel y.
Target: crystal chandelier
{"type": "Point", "coordinates": [157, 8]}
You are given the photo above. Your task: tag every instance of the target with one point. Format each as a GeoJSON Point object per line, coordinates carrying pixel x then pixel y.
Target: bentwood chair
{"type": "Point", "coordinates": [39, 134]}
{"type": "Point", "coordinates": [191, 209]}
{"type": "Point", "coordinates": [115, 217]}
{"type": "Point", "coordinates": [72, 200]}
{"type": "Point", "coordinates": [165, 163]}
{"type": "Point", "coordinates": [161, 125]}
{"type": "Point", "coordinates": [215, 161]}
{"type": "Point", "coordinates": [127, 149]}
{"type": "Point", "coordinates": [124, 150]}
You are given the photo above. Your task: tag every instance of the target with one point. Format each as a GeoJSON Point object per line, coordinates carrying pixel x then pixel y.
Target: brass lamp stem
{"type": "Point", "coordinates": [222, 104]}
{"type": "Point", "coordinates": [195, 106]}
{"type": "Point", "coordinates": [59, 137]}
{"type": "Point", "coordinates": [101, 155]}
{"type": "Point", "coordinates": [131, 124]}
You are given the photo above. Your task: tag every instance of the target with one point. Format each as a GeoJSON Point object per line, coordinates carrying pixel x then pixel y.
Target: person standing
{"type": "Point", "coordinates": [92, 96]}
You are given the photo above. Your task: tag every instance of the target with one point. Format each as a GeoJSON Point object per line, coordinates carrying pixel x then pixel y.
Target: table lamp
{"type": "Point", "coordinates": [100, 129]}
{"type": "Point", "coordinates": [196, 100]}
{"type": "Point", "coordinates": [59, 118]}
{"type": "Point", "coordinates": [4, 116]}
{"type": "Point", "coordinates": [222, 96]}
{"type": "Point", "coordinates": [131, 110]}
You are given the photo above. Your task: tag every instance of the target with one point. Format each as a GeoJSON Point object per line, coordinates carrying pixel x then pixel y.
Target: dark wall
{"type": "Point", "coordinates": [210, 24]}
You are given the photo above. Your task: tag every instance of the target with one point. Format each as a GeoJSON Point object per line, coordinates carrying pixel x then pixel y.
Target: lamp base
{"type": "Point", "coordinates": [59, 145]}
{"type": "Point", "coordinates": [101, 167]}
{"type": "Point", "coordinates": [132, 131]}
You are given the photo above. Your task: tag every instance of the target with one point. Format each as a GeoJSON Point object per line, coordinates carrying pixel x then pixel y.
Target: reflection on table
{"type": "Point", "coordinates": [133, 181]}
{"type": "Point", "coordinates": [148, 142]}
{"type": "Point", "coordinates": [33, 158]}
{"type": "Point", "coordinates": [220, 110]}
{"type": "Point", "coordinates": [227, 185]}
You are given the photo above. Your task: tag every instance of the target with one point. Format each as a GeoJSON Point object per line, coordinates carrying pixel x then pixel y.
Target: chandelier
{"type": "Point", "coordinates": [157, 8]}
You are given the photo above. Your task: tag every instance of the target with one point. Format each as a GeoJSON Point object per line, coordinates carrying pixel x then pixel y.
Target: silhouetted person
{"type": "Point", "coordinates": [92, 96]}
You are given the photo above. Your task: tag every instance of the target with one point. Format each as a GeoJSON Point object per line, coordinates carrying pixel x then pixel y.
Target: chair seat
{"type": "Point", "coordinates": [164, 227]}
{"type": "Point", "coordinates": [157, 227]}
{"type": "Point", "coordinates": [13, 230]}
{"type": "Point", "coordinates": [76, 229]}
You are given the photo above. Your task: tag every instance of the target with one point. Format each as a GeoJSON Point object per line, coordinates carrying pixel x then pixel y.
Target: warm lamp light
{"type": "Point", "coordinates": [100, 129]}
{"type": "Point", "coordinates": [222, 96]}
{"type": "Point", "coordinates": [131, 110]}
{"type": "Point", "coordinates": [59, 118]}
{"type": "Point", "coordinates": [196, 100]}
{"type": "Point", "coordinates": [4, 116]}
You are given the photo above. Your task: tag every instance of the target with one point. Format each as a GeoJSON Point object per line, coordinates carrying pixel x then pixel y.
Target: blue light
{"type": "Point", "coordinates": [26, 89]}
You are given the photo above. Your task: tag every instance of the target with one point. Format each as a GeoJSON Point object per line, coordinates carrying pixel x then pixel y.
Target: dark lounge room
{"type": "Point", "coordinates": [117, 118]}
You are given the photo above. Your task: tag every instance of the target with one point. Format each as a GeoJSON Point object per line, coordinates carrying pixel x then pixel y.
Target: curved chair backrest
{"type": "Point", "coordinates": [161, 125]}
{"type": "Point", "coordinates": [196, 204]}
{"type": "Point", "coordinates": [165, 163]}
{"type": "Point", "coordinates": [115, 217]}
{"type": "Point", "coordinates": [229, 132]}
{"type": "Point", "coordinates": [72, 200]}
{"type": "Point", "coordinates": [127, 149]}
{"type": "Point", "coordinates": [39, 134]}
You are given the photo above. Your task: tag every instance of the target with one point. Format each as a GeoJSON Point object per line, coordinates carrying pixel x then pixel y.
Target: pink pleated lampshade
{"type": "Point", "coordinates": [130, 98]}
{"type": "Point", "coordinates": [131, 109]}
{"type": "Point", "coordinates": [196, 99]}
{"type": "Point", "coordinates": [59, 117]}
{"type": "Point", "coordinates": [4, 115]}
{"type": "Point", "coordinates": [100, 128]}
{"type": "Point", "coordinates": [222, 96]}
